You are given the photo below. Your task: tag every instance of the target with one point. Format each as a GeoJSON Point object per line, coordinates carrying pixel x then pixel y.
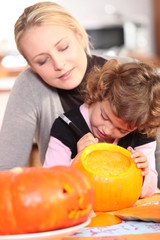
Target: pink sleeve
{"type": "Point", "coordinates": [57, 154]}
{"type": "Point", "coordinates": [151, 180]}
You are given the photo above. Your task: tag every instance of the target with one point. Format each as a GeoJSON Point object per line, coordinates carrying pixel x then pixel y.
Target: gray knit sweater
{"type": "Point", "coordinates": [32, 107]}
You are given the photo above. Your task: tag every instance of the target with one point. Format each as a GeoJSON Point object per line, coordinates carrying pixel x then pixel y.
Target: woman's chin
{"type": "Point", "coordinates": [69, 86]}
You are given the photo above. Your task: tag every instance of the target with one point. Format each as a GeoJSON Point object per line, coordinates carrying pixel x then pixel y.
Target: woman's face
{"type": "Point", "coordinates": [106, 126]}
{"type": "Point", "coordinates": [56, 54]}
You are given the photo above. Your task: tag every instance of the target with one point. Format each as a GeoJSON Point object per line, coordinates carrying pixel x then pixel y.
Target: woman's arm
{"type": "Point", "coordinates": [31, 110]}
{"type": "Point", "coordinates": [18, 126]}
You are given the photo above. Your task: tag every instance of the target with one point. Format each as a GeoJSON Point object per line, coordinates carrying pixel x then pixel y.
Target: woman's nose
{"type": "Point", "coordinates": [58, 62]}
{"type": "Point", "coordinates": [58, 65]}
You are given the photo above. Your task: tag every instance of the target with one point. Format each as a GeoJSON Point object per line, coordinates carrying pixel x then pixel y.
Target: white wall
{"type": "Point", "coordinates": [88, 12]}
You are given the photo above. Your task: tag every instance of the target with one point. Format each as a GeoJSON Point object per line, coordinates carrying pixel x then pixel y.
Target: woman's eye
{"type": "Point", "coordinates": [42, 62]}
{"type": "Point", "coordinates": [63, 48]}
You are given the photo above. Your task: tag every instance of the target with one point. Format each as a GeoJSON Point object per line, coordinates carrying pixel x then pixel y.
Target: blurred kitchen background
{"type": "Point", "coordinates": [121, 27]}
{"type": "Point", "coordinates": [116, 27]}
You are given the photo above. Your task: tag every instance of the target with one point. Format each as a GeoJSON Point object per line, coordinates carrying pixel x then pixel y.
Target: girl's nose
{"type": "Point", "coordinates": [108, 129]}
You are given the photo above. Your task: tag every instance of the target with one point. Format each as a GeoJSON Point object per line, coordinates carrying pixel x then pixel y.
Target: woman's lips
{"type": "Point", "coordinates": [66, 75]}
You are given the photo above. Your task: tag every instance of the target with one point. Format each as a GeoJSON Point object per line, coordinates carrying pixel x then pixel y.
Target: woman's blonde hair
{"type": "Point", "coordinates": [133, 91]}
{"type": "Point", "coordinates": [48, 13]}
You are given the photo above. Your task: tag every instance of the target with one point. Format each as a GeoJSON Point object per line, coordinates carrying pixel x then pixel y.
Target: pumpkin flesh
{"type": "Point", "coordinates": [103, 219]}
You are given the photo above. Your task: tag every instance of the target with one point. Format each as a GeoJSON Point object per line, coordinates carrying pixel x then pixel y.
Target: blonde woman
{"type": "Point", "coordinates": [57, 50]}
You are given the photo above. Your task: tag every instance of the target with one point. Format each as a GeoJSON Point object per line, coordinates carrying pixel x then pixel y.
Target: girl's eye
{"type": "Point", "coordinates": [123, 131]}
{"type": "Point", "coordinates": [104, 117]}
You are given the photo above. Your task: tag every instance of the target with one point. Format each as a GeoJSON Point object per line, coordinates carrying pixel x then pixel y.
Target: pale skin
{"type": "Point", "coordinates": [107, 127]}
{"type": "Point", "coordinates": [55, 53]}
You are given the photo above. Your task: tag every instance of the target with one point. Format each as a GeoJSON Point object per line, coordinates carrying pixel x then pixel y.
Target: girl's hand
{"type": "Point", "coordinates": [85, 141]}
{"type": "Point", "coordinates": [140, 160]}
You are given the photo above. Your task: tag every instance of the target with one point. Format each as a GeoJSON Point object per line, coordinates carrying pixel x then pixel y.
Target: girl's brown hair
{"type": "Point", "coordinates": [133, 91]}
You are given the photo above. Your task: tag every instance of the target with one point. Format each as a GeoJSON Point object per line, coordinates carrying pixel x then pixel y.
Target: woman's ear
{"type": "Point", "coordinates": [80, 38]}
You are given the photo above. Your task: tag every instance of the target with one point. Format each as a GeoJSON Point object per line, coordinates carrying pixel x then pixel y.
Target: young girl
{"type": "Point", "coordinates": [122, 106]}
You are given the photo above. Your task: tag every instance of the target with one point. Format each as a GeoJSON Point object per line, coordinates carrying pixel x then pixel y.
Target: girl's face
{"type": "Point", "coordinates": [106, 126]}
{"type": "Point", "coordinates": [56, 54]}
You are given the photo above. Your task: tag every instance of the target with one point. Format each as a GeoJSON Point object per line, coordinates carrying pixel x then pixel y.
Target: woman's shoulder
{"type": "Point", "coordinates": [29, 76]}
{"type": "Point", "coordinates": [29, 87]}
{"type": "Point", "coordinates": [30, 80]}
{"type": "Point", "coordinates": [103, 58]}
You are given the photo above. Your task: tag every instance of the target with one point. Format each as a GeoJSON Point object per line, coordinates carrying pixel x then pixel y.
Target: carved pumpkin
{"type": "Point", "coordinates": [116, 179]}
{"type": "Point", "coordinates": [38, 199]}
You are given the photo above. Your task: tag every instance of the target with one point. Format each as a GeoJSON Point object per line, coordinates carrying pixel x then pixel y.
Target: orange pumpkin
{"type": "Point", "coordinates": [116, 180]}
{"type": "Point", "coordinates": [38, 199]}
